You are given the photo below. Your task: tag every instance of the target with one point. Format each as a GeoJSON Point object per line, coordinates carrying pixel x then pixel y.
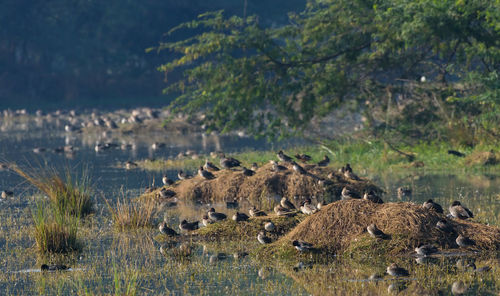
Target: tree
{"type": "Point", "coordinates": [431, 58]}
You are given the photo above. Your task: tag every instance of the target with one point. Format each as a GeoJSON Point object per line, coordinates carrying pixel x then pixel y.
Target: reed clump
{"type": "Point", "coordinates": [56, 220]}
{"type": "Point", "coordinates": [55, 232]}
{"type": "Point", "coordinates": [127, 215]}
{"type": "Point", "coordinates": [67, 194]}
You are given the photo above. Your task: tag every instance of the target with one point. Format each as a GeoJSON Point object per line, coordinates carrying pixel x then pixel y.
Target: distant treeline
{"type": "Point", "coordinates": [67, 51]}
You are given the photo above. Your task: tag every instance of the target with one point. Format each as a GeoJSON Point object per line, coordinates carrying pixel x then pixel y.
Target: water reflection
{"type": "Point", "coordinates": [185, 266]}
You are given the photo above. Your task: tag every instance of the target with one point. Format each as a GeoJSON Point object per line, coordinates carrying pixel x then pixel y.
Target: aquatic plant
{"type": "Point", "coordinates": [55, 232]}
{"type": "Point", "coordinates": [127, 214]}
{"type": "Point", "coordinates": [69, 195]}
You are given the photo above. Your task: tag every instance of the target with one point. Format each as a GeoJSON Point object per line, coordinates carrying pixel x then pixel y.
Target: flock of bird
{"type": "Point", "coordinates": [286, 207]}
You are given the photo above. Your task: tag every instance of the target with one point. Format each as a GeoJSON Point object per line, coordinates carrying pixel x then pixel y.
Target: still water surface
{"type": "Point", "coordinates": [110, 257]}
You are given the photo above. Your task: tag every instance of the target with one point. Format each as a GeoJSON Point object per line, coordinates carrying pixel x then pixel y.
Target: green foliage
{"type": "Point", "coordinates": [364, 55]}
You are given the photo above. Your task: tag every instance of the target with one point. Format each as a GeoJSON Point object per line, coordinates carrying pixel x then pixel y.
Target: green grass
{"type": "Point", "coordinates": [56, 221]}
{"type": "Point", "coordinates": [373, 155]}
{"type": "Point", "coordinates": [55, 232]}
{"type": "Point", "coordinates": [69, 194]}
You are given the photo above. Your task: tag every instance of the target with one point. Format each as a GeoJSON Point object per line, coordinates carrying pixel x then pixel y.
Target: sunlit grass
{"type": "Point", "coordinates": [69, 195]}
{"type": "Point", "coordinates": [55, 232]}
{"type": "Point", "coordinates": [128, 214]}
{"type": "Point", "coordinates": [373, 155]}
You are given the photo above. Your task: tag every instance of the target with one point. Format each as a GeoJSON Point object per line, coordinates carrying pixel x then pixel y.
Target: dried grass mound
{"type": "Point", "coordinates": [482, 158]}
{"type": "Point", "coordinates": [341, 227]}
{"type": "Point", "coordinates": [266, 187]}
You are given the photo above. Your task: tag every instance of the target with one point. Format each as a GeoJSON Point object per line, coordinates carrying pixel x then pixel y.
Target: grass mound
{"type": "Point", "coordinates": [341, 227]}
{"type": "Point", "coordinates": [231, 230]}
{"type": "Point", "coordinates": [482, 158]}
{"type": "Point", "coordinates": [266, 187]}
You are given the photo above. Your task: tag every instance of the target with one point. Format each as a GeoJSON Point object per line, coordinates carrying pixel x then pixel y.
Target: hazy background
{"type": "Point", "coordinates": [91, 53]}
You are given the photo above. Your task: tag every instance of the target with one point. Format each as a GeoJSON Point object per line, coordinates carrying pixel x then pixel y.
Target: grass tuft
{"type": "Point", "coordinates": [68, 195]}
{"type": "Point", "coordinates": [55, 232]}
{"type": "Point", "coordinates": [128, 215]}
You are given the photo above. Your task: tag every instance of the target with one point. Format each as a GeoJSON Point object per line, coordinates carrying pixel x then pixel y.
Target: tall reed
{"type": "Point", "coordinates": [55, 232]}
{"type": "Point", "coordinates": [132, 215]}
{"type": "Point", "coordinates": [69, 195]}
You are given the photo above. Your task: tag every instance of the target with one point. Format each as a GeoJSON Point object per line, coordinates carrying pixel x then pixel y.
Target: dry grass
{"type": "Point", "coordinates": [482, 158]}
{"type": "Point", "coordinates": [128, 215]}
{"type": "Point", "coordinates": [341, 226]}
{"type": "Point", "coordinates": [68, 195]}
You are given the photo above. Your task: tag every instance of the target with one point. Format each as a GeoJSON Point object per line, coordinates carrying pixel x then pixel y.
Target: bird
{"type": "Point", "coordinates": [248, 172]}
{"type": "Point", "coordinates": [464, 242]}
{"type": "Point", "coordinates": [371, 196]}
{"type": "Point", "coordinates": [395, 270]}
{"type": "Point", "coordinates": [269, 226]}
{"type": "Point", "coordinates": [302, 246]}
{"type": "Point", "coordinates": [283, 157]}
{"type": "Point", "coordinates": [324, 162]}
{"type": "Point", "coordinates": [458, 211]}
{"type": "Point", "coordinates": [276, 167]}
{"type": "Point", "coordinates": [254, 167]}
{"type": "Point", "coordinates": [350, 175]}
{"type": "Point", "coordinates": [240, 217]}
{"type": "Point", "coordinates": [303, 157]}
{"type": "Point", "coordinates": [348, 194]}
{"type": "Point", "coordinates": [182, 175]}
{"type": "Point", "coordinates": [287, 204]}
{"type": "Point", "coordinates": [166, 193]}
{"type": "Point", "coordinates": [205, 174]}
{"type": "Point", "coordinates": [54, 267]}
{"type": "Point", "coordinates": [130, 164]}
{"type": "Point", "coordinates": [166, 181]}
{"type": "Point", "coordinates": [425, 250]}
{"type": "Point", "coordinates": [404, 192]}
{"type": "Point", "coordinates": [188, 226]}
{"type": "Point", "coordinates": [458, 288]}
{"type": "Point", "coordinates": [209, 166]}
{"type": "Point", "coordinates": [167, 230]}
{"type": "Point", "coordinates": [348, 168]}
{"type": "Point", "coordinates": [443, 225]}
{"type": "Point", "coordinates": [281, 211]}
{"type": "Point", "coordinates": [254, 212]}
{"type": "Point", "coordinates": [232, 204]}
{"type": "Point", "coordinates": [298, 168]}
{"type": "Point", "coordinates": [215, 216]}
{"type": "Point", "coordinates": [430, 204]}
{"type": "Point", "coordinates": [229, 163]}
{"type": "Point", "coordinates": [307, 208]}
{"type": "Point", "coordinates": [7, 193]}
{"type": "Point", "coordinates": [205, 220]}
{"type": "Point", "coordinates": [375, 232]}
{"type": "Point", "coordinates": [263, 239]}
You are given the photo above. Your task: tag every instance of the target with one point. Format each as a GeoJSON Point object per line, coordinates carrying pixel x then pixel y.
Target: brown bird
{"type": "Point", "coordinates": [459, 211]}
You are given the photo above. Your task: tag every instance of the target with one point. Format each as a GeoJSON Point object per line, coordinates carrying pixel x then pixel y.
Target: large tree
{"type": "Point", "coordinates": [437, 61]}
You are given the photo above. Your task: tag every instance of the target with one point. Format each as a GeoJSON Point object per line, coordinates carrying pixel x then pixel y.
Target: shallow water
{"type": "Point", "coordinates": [109, 257]}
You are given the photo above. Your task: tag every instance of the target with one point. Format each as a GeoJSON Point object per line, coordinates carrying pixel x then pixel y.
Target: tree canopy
{"type": "Point", "coordinates": [413, 66]}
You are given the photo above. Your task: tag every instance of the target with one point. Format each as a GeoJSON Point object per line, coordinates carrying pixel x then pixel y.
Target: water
{"type": "Point", "coordinates": [110, 260]}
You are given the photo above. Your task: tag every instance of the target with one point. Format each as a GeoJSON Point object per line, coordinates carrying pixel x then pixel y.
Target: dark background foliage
{"type": "Point", "coordinates": [92, 52]}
